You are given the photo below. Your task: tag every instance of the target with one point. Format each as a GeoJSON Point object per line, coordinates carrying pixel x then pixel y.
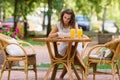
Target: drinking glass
{"type": "Point", "coordinates": [72, 33]}
{"type": "Point", "coordinates": [79, 33]}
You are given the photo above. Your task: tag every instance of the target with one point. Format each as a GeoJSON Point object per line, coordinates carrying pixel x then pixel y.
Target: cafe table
{"type": "Point", "coordinates": [56, 59]}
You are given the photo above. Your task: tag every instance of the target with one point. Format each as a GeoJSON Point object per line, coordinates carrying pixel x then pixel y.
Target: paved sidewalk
{"type": "Point", "coordinates": [43, 57]}
{"type": "Point", "coordinates": [18, 75]}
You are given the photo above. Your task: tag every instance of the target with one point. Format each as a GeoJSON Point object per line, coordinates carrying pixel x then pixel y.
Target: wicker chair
{"type": "Point", "coordinates": [28, 59]}
{"type": "Point", "coordinates": [93, 61]}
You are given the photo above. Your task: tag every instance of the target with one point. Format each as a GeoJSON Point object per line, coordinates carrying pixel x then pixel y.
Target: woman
{"type": "Point", "coordinates": [62, 29]}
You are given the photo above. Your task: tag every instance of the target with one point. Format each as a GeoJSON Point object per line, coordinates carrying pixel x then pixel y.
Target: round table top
{"type": "Point", "coordinates": [61, 40]}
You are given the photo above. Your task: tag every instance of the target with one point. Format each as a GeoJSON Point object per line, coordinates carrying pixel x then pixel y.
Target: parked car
{"type": "Point", "coordinates": [83, 22]}
{"type": "Point", "coordinates": [110, 26]}
{"type": "Point", "coordinates": [10, 22]}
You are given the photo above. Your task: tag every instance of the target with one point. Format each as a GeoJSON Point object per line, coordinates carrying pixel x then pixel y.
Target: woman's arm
{"type": "Point", "coordinates": [76, 25]}
{"type": "Point", "coordinates": [54, 32]}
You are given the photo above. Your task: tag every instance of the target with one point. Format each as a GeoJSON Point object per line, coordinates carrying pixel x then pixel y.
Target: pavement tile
{"type": "Point", "coordinates": [18, 75]}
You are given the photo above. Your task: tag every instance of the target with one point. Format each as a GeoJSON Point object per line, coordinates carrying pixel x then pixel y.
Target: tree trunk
{"type": "Point", "coordinates": [1, 10]}
{"type": "Point", "coordinates": [104, 16]}
{"type": "Point", "coordinates": [25, 29]}
{"type": "Point", "coordinates": [43, 24]}
{"type": "Point", "coordinates": [15, 14]}
{"type": "Point", "coordinates": [49, 16]}
{"type": "Point", "coordinates": [24, 14]}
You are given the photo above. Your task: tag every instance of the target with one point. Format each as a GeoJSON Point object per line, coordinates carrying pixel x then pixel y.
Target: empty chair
{"type": "Point", "coordinates": [14, 50]}
{"type": "Point", "coordinates": [104, 54]}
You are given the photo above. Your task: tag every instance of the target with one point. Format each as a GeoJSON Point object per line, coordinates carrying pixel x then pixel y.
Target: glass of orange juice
{"type": "Point", "coordinates": [72, 33]}
{"type": "Point", "coordinates": [79, 33]}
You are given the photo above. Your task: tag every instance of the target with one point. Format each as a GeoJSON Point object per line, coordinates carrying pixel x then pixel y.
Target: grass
{"type": "Point", "coordinates": [47, 65]}
{"type": "Point", "coordinates": [99, 66]}
{"type": "Point", "coordinates": [34, 43]}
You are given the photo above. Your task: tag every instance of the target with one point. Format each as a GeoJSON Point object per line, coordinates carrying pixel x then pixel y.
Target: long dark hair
{"type": "Point", "coordinates": [68, 11]}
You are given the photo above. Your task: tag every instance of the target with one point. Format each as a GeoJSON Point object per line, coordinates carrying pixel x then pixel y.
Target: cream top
{"type": "Point", "coordinates": [63, 45]}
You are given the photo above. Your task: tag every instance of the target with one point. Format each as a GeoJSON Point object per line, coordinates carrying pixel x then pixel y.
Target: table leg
{"type": "Point", "coordinates": [48, 72]}
{"type": "Point", "coordinates": [56, 65]}
{"type": "Point", "coordinates": [75, 71]}
{"type": "Point", "coordinates": [54, 72]}
{"type": "Point", "coordinates": [69, 70]}
{"type": "Point", "coordinates": [55, 49]}
{"type": "Point", "coordinates": [71, 51]}
{"type": "Point", "coordinates": [68, 64]}
{"type": "Point", "coordinates": [72, 59]}
{"type": "Point", "coordinates": [52, 63]}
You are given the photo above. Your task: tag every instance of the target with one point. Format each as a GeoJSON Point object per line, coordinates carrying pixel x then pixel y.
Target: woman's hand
{"type": "Point", "coordinates": [53, 32]}
{"type": "Point", "coordinates": [63, 35]}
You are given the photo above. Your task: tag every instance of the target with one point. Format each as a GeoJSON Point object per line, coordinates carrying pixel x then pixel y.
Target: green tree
{"type": "Point", "coordinates": [20, 8]}
{"type": "Point", "coordinates": [26, 7]}
{"type": "Point", "coordinates": [8, 6]}
{"type": "Point", "coordinates": [99, 7]}
{"type": "Point", "coordinates": [53, 4]}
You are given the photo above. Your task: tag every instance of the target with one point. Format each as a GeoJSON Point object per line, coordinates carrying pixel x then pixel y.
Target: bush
{"type": "Point", "coordinates": [14, 34]}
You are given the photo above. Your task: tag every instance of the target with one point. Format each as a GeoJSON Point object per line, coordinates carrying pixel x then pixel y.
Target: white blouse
{"type": "Point", "coordinates": [63, 45]}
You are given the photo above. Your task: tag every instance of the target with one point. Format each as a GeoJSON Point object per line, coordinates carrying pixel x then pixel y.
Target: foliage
{"type": "Point", "coordinates": [55, 4]}
{"type": "Point", "coordinates": [17, 34]}
{"type": "Point", "coordinates": [95, 28]}
{"type": "Point", "coordinates": [9, 32]}
{"type": "Point", "coordinates": [88, 7]}
{"type": "Point", "coordinates": [8, 7]}
{"type": "Point", "coordinates": [20, 8]}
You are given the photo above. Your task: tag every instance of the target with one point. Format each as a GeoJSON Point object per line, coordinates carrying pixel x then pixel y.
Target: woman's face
{"type": "Point", "coordinates": [66, 18]}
